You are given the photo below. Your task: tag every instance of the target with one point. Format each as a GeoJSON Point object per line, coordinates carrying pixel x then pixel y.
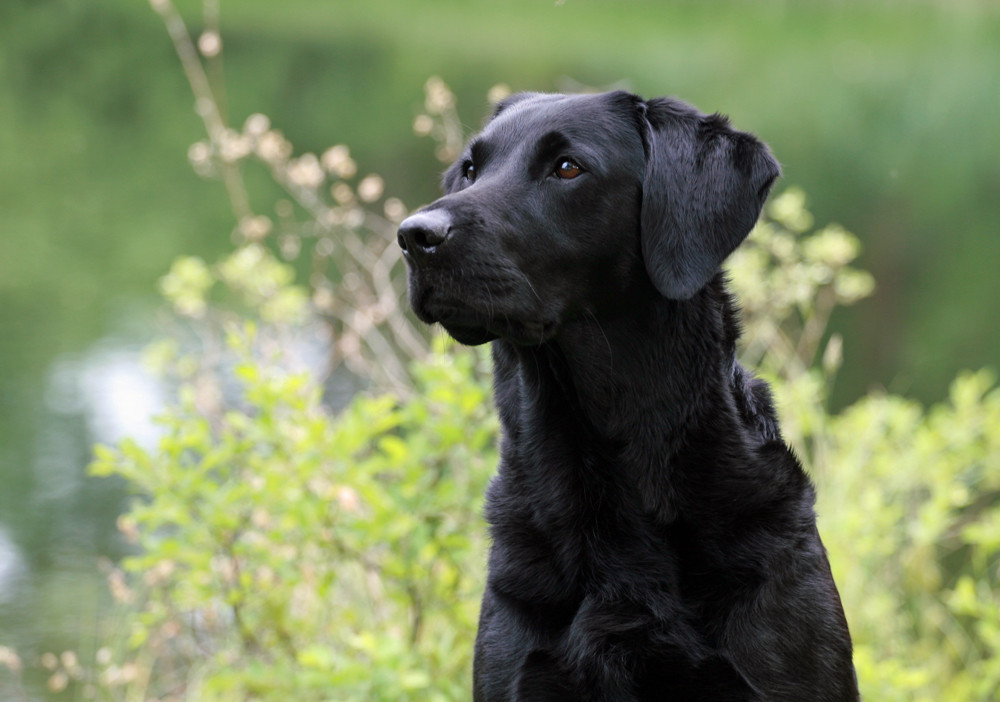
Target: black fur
{"type": "Point", "coordinates": [653, 537]}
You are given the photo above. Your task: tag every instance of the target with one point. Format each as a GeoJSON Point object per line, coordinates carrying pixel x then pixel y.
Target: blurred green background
{"type": "Point", "coordinates": [884, 112]}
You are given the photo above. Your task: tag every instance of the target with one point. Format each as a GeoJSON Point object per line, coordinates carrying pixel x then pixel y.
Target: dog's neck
{"type": "Point", "coordinates": [628, 386]}
{"type": "Point", "coordinates": [614, 369]}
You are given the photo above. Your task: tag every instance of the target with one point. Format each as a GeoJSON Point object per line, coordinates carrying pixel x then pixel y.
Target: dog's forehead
{"type": "Point", "coordinates": [594, 119]}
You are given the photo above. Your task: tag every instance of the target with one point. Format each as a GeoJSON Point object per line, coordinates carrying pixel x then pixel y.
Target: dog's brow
{"type": "Point", "coordinates": [550, 146]}
{"type": "Point", "coordinates": [479, 151]}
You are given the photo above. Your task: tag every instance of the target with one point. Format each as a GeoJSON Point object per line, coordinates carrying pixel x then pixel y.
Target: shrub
{"type": "Point", "coordinates": [287, 551]}
{"type": "Point", "coordinates": [284, 552]}
{"type": "Point", "coordinates": [910, 510]}
{"type": "Point", "coordinates": [909, 499]}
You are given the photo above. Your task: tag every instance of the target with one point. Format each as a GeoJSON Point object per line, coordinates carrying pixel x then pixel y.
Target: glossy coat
{"type": "Point", "coordinates": [653, 536]}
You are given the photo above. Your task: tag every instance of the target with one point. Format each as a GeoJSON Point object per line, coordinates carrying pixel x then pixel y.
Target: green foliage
{"type": "Point", "coordinates": [288, 553]}
{"type": "Point", "coordinates": [910, 510]}
{"type": "Point", "coordinates": [253, 278]}
{"type": "Point", "coordinates": [909, 499]}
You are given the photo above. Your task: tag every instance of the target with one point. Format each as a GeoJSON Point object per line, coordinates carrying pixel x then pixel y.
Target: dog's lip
{"type": "Point", "coordinates": [469, 335]}
{"type": "Point", "coordinates": [467, 323]}
{"type": "Point", "coordinates": [454, 315]}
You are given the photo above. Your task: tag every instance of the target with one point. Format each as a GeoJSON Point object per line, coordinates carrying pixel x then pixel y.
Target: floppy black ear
{"type": "Point", "coordinates": [704, 186]}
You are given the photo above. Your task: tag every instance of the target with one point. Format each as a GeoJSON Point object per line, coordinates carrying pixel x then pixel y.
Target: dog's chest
{"type": "Point", "coordinates": [601, 594]}
{"type": "Point", "coordinates": [584, 539]}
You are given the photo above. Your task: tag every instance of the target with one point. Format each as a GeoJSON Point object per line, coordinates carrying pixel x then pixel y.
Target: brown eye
{"type": "Point", "coordinates": [469, 172]}
{"type": "Point", "coordinates": [568, 169]}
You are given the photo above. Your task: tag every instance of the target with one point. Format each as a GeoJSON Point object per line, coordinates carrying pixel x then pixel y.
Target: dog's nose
{"type": "Point", "coordinates": [421, 233]}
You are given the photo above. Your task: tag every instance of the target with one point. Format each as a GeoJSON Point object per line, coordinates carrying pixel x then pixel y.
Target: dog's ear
{"type": "Point", "coordinates": [704, 186]}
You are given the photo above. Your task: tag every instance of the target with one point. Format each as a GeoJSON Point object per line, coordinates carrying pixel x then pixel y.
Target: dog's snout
{"type": "Point", "coordinates": [420, 234]}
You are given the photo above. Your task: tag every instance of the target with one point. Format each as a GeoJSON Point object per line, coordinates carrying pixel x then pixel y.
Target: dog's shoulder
{"type": "Point", "coordinates": [755, 404]}
{"type": "Point", "coordinates": [752, 395]}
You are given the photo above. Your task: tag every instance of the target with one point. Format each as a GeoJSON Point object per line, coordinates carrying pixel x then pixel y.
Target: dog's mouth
{"type": "Point", "coordinates": [472, 325]}
{"type": "Point", "coordinates": [473, 328]}
{"type": "Point", "coordinates": [463, 325]}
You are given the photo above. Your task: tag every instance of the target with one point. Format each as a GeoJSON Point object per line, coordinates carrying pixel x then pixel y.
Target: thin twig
{"type": "Point", "coordinates": [206, 104]}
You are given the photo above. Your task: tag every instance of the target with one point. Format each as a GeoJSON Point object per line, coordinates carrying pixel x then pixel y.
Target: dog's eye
{"type": "Point", "coordinates": [469, 172]}
{"type": "Point", "coordinates": [568, 169]}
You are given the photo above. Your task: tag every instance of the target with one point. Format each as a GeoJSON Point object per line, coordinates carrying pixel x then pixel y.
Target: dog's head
{"type": "Point", "coordinates": [568, 205]}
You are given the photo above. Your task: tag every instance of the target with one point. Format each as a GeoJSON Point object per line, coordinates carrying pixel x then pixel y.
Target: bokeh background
{"type": "Point", "coordinates": [885, 112]}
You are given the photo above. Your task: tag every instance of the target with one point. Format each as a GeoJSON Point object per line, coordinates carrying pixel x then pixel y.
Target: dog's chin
{"type": "Point", "coordinates": [473, 326]}
{"type": "Point", "coordinates": [472, 329]}
{"type": "Point", "coordinates": [521, 333]}
{"type": "Point", "coordinates": [469, 335]}
{"type": "Point", "coordinates": [463, 326]}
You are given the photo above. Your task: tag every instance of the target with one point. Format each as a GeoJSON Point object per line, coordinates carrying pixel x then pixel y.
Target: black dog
{"type": "Point", "coordinates": [653, 537]}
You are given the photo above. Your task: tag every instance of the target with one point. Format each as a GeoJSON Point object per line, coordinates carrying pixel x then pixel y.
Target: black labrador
{"type": "Point", "coordinates": [653, 536]}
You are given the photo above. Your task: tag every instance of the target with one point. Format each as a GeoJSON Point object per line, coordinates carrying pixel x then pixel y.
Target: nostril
{"type": "Point", "coordinates": [426, 239]}
{"type": "Point", "coordinates": [417, 239]}
{"type": "Point", "coordinates": [423, 232]}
